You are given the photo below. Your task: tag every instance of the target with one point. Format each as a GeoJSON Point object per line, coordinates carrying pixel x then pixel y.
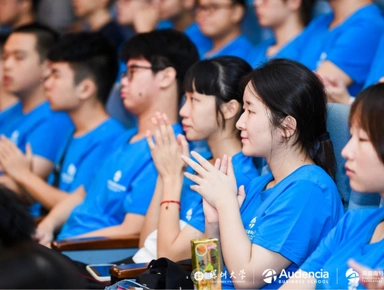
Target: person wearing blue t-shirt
{"type": "Point", "coordinates": [10, 108]}
{"type": "Point", "coordinates": [341, 45]}
{"type": "Point", "coordinates": [273, 220]}
{"type": "Point", "coordinates": [359, 235]}
{"type": "Point", "coordinates": [286, 20]}
{"type": "Point", "coordinates": [78, 61]}
{"type": "Point", "coordinates": [117, 199]}
{"type": "Point", "coordinates": [376, 73]}
{"type": "Point", "coordinates": [210, 112]}
{"type": "Point", "coordinates": [24, 66]}
{"type": "Point", "coordinates": [221, 22]}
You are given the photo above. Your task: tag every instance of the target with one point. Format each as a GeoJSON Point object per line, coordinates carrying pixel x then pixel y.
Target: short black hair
{"type": "Point", "coordinates": [3, 39]}
{"type": "Point", "coordinates": [163, 48]}
{"type": "Point", "coordinates": [219, 77]}
{"type": "Point", "coordinates": [16, 224]}
{"type": "Point", "coordinates": [45, 37]}
{"type": "Point", "coordinates": [90, 55]}
{"type": "Point", "coordinates": [35, 5]}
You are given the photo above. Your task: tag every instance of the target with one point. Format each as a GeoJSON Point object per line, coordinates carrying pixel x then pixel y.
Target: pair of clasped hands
{"type": "Point", "coordinates": [216, 182]}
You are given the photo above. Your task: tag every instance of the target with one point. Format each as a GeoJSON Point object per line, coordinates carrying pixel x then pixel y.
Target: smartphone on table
{"type": "Point", "coordinates": [100, 271]}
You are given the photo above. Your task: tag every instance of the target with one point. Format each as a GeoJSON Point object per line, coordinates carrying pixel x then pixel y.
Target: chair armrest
{"type": "Point", "coordinates": [97, 243]}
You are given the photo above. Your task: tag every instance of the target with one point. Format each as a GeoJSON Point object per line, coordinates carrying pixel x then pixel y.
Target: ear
{"type": "Point", "coordinates": [188, 4]}
{"type": "Point", "coordinates": [289, 127]}
{"type": "Point", "coordinates": [230, 109]}
{"type": "Point", "coordinates": [166, 77]}
{"type": "Point", "coordinates": [294, 5]}
{"type": "Point", "coordinates": [238, 14]}
{"type": "Point", "coordinates": [86, 89]}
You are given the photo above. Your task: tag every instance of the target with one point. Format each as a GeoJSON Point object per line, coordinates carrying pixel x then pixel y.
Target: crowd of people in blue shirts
{"type": "Point", "coordinates": [186, 128]}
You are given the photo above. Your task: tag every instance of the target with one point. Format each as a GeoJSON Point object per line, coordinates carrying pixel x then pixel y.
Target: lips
{"type": "Point", "coordinates": [7, 80]}
{"type": "Point", "coordinates": [349, 171]}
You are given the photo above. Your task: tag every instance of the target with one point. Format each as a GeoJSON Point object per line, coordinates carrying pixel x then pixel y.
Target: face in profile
{"type": "Point", "coordinates": [363, 165]}
{"type": "Point", "coordinates": [126, 10]}
{"type": "Point", "coordinates": [23, 68]}
{"type": "Point", "coordinates": [85, 7]}
{"type": "Point", "coordinates": [199, 117]}
{"type": "Point", "coordinates": [60, 88]}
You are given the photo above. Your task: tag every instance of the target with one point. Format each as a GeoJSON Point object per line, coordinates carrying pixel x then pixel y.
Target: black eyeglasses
{"type": "Point", "coordinates": [130, 69]}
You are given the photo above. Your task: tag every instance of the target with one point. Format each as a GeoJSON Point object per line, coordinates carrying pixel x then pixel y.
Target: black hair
{"type": "Point", "coordinates": [89, 54]}
{"type": "Point", "coordinates": [3, 38]}
{"type": "Point", "coordinates": [163, 48]}
{"type": "Point", "coordinates": [367, 113]}
{"type": "Point", "coordinates": [35, 5]}
{"type": "Point", "coordinates": [239, 2]}
{"type": "Point", "coordinates": [16, 224]}
{"type": "Point", "coordinates": [45, 37]}
{"type": "Point", "coordinates": [219, 77]}
{"type": "Point", "coordinates": [33, 266]}
{"type": "Point", "coordinates": [306, 10]}
{"type": "Point", "coordinates": [288, 88]}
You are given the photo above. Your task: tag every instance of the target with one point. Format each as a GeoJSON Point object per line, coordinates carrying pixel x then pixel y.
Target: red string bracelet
{"type": "Point", "coordinates": [170, 201]}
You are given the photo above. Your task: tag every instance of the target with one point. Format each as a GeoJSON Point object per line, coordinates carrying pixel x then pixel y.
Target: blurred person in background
{"type": "Point", "coordinates": [16, 13]}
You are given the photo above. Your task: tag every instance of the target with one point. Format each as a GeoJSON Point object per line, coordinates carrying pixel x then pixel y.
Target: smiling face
{"type": "Point", "coordinates": [363, 167]}
{"type": "Point", "coordinates": [22, 66]}
{"type": "Point", "coordinates": [257, 135]}
{"type": "Point", "coordinates": [199, 116]}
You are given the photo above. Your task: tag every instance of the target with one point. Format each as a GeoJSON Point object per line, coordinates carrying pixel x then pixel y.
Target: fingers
{"type": "Point", "coordinates": [202, 161]}
{"type": "Point", "coordinates": [184, 147]}
{"type": "Point", "coordinates": [224, 164]}
{"type": "Point", "coordinates": [195, 166]}
{"type": "Point", "coordinates": [241, 195]}
{"type": "Point", "coordinates": [150, 142]}
{"type": "Point", "coordinates": [230, 170]}
{"type": "Point", "coordinates": [217, 163]}
{"type": "Point", "coordinates": [28, 151]}
{"type": "Point", "coordinates": [163, 129]}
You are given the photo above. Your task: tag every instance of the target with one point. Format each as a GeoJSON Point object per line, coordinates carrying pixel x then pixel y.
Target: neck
{"type": "Point", "coordinates": [6, 100]}
{"type": "Point", "coordinates": [24, 20]}
{"type": "Point", "coordinates": [168, 106]}
{"type": "Point", "coordinates": [183, 21]}
{"type": "Point", "coordinates": [291, 28]}
{"type": "Point", "coordinates": [282, 163]}
{"type": "Point", "coordinates": [224, 142]}
{"type": "Point", "coordinates": [32, 99]}
{"type": "Point", "coordinates": [342, 9]}
{"type": "Point", "coordinates": [88, 117]}
{"type": "Point", "coordinates": [98, 19]}
{"type": "Point", "coordinates": [221, 41]}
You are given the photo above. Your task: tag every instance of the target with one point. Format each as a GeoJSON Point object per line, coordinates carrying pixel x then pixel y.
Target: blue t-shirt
{"type": "Point", "coordinates": [286, 218]}
{"type": "Point", "coordinates": [124, 184]}
{"type": "Point", "coordinates": [258, 54]}
{"type": "Point", "coordinates": [377, 68]}
{"type": "Point", "coordinates": [349, 239]}
{"type": "Point", "coordinates": [9, 116]}
{"type": "Point", "coordinates": [240, 47]}
{"type": "Point", "coordinates": [351, 46]}
{"type": "Point", "coordinates": [45, 130]}
{"type": "Point", "coordinates": [191, 210]}
{"type": "Point", "coordinates": [85, 154]}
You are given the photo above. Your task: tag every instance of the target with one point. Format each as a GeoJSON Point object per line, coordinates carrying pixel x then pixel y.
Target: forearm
{"type": "Point", "coordinates": [152, 216]}
{"type": "Point", "coordinates": [11, 184]}
{"type": "Point", "coordinates": [41, 191]}
{"type": "Point", "coordinates": [212, 230]}
{"type": "Point", "coordinates": [60, 213]}
{"type": "Point", "coordinates": [169, 218]}
{"type": "Point", "coordinates": [233, 236]}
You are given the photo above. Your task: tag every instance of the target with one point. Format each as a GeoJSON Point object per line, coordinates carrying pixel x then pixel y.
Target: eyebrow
{"type": "Point", "coordinates": [249, 103]}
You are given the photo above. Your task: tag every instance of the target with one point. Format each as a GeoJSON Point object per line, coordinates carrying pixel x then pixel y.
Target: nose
{"type": "Point", "coordinates": [347, 151]}
{"type": "Point", "coordinates": [48, 83]}
{"type": "Point", "coordinates": [240, 124]}
{"type": "Point", "coordinates": [185, 109]}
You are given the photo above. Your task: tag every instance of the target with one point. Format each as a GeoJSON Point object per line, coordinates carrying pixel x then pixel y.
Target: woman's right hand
{"type": "Point", "coordinates": [167, 150]}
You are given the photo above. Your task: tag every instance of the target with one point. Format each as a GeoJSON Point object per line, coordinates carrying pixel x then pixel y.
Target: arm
{"type": "Point", "coordinates": [329, 70]}
{"type": "Point", "coordinates": [58, 216]}
{"type": "Point", "coordinates": [132, 224]}
{"type": "Point", "coordinates": [152, 216]}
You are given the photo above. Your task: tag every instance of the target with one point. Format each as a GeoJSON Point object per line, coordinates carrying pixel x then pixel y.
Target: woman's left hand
{"type": "Point", "coordinates": [215, 183]}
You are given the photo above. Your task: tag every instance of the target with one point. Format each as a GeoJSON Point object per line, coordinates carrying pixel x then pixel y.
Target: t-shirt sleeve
{"type": "Point", "coordinates": [292, 225]}
{"type": "Point", "coordinates": [354, 49]}
{"type": "Point", "coordinates": [326, 248]}
{"type": "Point", "coordinates": [141, 190]}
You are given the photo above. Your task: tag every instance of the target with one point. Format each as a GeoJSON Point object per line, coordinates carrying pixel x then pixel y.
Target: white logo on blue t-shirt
{"type": "Point", "coordinates": [70, 175]}
{"type": "Point", "coordinates": [323, 57]}
{"type": "Point", "coordinates": [252, 222]}
{"type": "Point", "coordinates": [14, 137]}
{"type": "Point", "coordinates": [188, 215]}
{"type": "Point", "coordinates": [353, 278]}
{"type": "Point", "coordinates": [117, 176]}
